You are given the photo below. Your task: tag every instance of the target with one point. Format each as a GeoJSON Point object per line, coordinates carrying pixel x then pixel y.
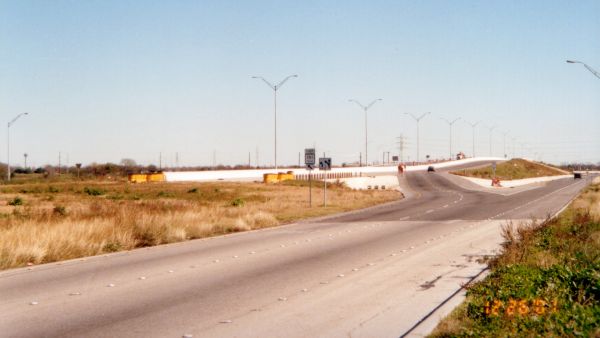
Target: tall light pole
{"type": "Point", "coordinates": [365, 108]}
{"type": "Point", "coordinates": [523, 149]}
{"type": "Point", "coordinates": [450, 123]}
{"type": "Point", "coordinates": [275, 88]}
{"type": "Point", "coordinates": [473, 125]}
{"type": "Point", "coordinates": [505, 133]}
{"type": "Point", "coordinates": [8, 144]}
{"type": "Point", "coordinates": [586, 66]}
{"type": "Point", "coordinates": [418, 119]}
{"type": "Point", "coordinates": [491, 129]}
{"type": "Point", "coordinates": [513, 146]}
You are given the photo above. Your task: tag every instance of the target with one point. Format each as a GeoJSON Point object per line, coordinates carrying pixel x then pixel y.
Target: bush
{"type": "Point", "coordinates": [238, 202]}
{"type": "Point", "coordinates": [165, 194]}
{"type": "Point", "coordinates": [60, 210]}
{"type": "Point", "coordinates": [112, 247]}
{"type": "Point", "coordinates": [52, 189]}
{"type": "Point", "coordinates": [193, 191]}
{"type": "Point", "coordinates": [16, 201]}
{"type": "Point", "coordinates": [93, 191]}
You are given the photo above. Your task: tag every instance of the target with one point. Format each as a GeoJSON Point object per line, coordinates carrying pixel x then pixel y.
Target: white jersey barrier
{"type": "Point", "coordinates": [257, 174]}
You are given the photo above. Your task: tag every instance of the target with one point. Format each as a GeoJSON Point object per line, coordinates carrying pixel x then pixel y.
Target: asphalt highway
{"type": "Point", "coordinates": [373, 273]}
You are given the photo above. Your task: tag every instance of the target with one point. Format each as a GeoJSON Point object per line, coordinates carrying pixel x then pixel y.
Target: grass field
{"type": "Point", "coordinates": [546, 283]}
{"type": "Point", "coordinates": [513, 170]}
{"type": "Point", "coordinates": [46, 222]}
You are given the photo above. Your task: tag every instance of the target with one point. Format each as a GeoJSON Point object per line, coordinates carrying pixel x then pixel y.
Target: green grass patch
{"type": "Point", "coordinates": [545, 283]}
{"type": "Point", "coordinates": [514, 169]}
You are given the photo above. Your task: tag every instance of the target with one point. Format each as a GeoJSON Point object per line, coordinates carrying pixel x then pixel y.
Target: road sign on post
{"type": "Point", "coordinates": [309, 157]}
{"type": "Point", "coordinates": [325, 164]}
{"type": "Point", "coordinates": [309, 160]}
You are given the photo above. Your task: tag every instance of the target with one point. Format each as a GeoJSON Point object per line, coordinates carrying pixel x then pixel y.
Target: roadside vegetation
{"type": "Point", "coordinates": [514, 169]}
{"type": "Point", "coordinates": [546, 282]}
{"type": "Point", "coordinates": [45, 221]}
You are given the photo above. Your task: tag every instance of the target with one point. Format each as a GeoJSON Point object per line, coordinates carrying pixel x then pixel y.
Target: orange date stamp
{"type": "Point", "coordinates": [520, 307]}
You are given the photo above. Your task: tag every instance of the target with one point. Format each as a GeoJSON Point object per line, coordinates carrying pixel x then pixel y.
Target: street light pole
{"type": "Point", "coordinates": [365, 108]}
{"type": "Point", "coordinates": [505, 133]}
{"type": "Point", "coordinates": [513, 146]}
{"type": "Point", "coordinates": [586, 66]}
{"type": "Point", "coordinates": [418, 119]}
{"type": "Point", "coordinates": [473, 125]}
{"type": "Point", "coordinates": [491, 130]}
{"type": "Point", "coordinates": [8, 144]}
{"type": "Point", "coordinates": [275, 88]}
{"type": "Point", "coordinates": [450, 123]}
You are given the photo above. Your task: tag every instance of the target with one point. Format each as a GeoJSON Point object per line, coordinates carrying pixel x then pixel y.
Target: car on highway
{"type": "Point", "coordinates": [430, 169]}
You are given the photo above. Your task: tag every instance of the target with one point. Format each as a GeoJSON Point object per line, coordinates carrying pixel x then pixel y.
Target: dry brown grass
{"type": "Point", "coordinates": [76, 219]}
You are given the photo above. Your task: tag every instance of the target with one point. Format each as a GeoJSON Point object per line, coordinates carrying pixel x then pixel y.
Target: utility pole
{"type": "Point", "coordinates": [177, 160]}
{"type": "Point", "coordinates": [299, 163]}
{"type": "Point", "coordinates": [401, 146]}
{"type": "Point", "coordinates": [249, 164]}
{"type": "Point", "coordinates": [160, 161]}
{"type": "Point", "coordinates": [214, 159]}
{"type": "Point", "coordinates": [257, 165]}
{"type": "Point", "coordinates": [360, 159]}
{"type": "Point", "coordinates": [8, 144]}
{"type": "Point", "coordinates": [59, 163]}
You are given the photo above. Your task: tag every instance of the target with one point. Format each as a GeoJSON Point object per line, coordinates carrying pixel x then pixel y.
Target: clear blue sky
{"type": "Point", "coordinates": [106, 80]}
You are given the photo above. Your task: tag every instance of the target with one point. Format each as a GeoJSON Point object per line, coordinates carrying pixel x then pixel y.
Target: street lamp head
{"type": "Point", "coordinates": [572, 61]}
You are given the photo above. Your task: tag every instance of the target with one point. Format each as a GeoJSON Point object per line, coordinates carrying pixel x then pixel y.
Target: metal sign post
{"type": "Point", "coordinates": [493, 169]}
{"type": "Point", "coordinates": [309, 160]}
{"type": "Point", "coordinates": [325, 165]}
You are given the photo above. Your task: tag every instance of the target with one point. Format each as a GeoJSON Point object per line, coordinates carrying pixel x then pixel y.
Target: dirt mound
{"type": "Point", "coordinates": [514, 169]}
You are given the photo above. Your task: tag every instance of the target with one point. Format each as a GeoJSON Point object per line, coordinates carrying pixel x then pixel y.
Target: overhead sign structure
{"type": "Point", "coordinates": [309, 157]}
{"type": "Point", "coordinates": [325, 163]}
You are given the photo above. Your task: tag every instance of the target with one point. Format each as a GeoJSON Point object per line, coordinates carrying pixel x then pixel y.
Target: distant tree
{"type": "Point", "coordinates": [128, 162]}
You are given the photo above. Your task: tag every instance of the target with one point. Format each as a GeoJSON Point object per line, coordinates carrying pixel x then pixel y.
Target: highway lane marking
{"type": "Point", "coordinates": [412, 247]}
{"type": "Point", "coordinates": [429, 211]}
